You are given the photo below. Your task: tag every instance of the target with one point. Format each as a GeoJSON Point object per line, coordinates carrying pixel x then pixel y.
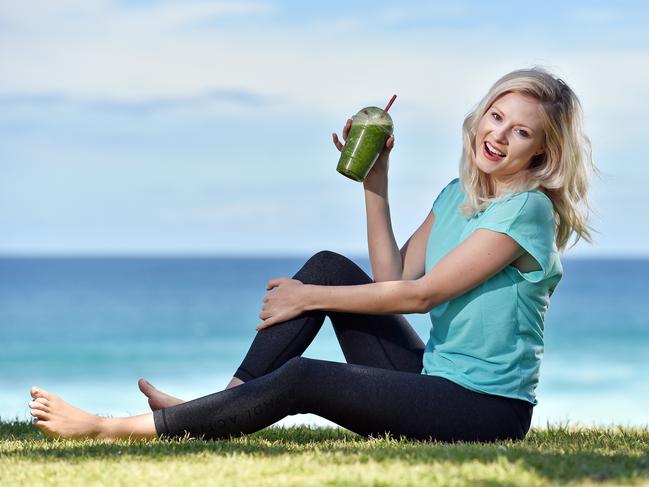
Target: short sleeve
{"type": "Point", "coordinates": [528, 218]}
{"type": "Point", "coordinates": [439, 201]}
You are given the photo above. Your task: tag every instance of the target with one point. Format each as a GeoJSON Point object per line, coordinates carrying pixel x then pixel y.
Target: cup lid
{"type": "Point", "coordinates": [374, 116]}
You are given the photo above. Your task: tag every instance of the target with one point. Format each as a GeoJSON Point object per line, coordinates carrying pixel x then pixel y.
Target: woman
{"type": "Point", "coordinates": [484, 264]}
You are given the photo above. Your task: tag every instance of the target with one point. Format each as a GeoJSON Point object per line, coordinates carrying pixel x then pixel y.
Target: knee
{"type": "Point", "coordinates": [326, 257]}
{"type": "Point", "coordinates": [297, 368]}
{"type": "Point", "coordinates": [329, 268]}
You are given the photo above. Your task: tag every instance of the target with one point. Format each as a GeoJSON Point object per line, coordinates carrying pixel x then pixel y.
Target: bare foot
{"type": "Point", "coordinates": [234, 382]}
{"type": "Point", "coordinates": [157, 399]}
{"type": "Point", "coordinates": [58, 419]}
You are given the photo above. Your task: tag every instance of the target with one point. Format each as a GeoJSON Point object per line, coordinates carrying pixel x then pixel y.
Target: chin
{"type": "Point", "coordinates": [485, 168]}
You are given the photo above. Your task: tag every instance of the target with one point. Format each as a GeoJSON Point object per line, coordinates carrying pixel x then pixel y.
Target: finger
{"type": "Point", "coordinates": [278, 281]}
{"type": "Point", "coordinates": [265, 324]}
{"type": "Point", "coordinates": [271, 284]}
{"type": "Point", "coordinates": [346, 128]}
{"type": "Point", "coordinates": [390, 142]}
{"type": "Point", "coordinates": [337, 143]}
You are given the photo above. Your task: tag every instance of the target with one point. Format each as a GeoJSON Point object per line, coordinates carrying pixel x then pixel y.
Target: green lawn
{"type": "Point", "coordinates": [313, 456]}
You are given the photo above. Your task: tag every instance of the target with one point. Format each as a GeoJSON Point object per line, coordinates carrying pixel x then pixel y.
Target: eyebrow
{"type": "Point", "coordinates": [522, 125]}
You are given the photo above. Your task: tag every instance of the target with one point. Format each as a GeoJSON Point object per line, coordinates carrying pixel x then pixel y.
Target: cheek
{"type": "Point", "coordinates": [484, 128]}
{"type": "Point", "coordinates": [523, 151]}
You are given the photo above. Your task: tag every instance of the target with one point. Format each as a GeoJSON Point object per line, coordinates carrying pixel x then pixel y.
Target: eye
{"type": "Point", "coordinates": [523, 133]}
{"type": "Point", "coordinates": [496, 116]}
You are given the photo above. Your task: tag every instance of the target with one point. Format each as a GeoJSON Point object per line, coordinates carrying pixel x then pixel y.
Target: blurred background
{"type": "Point", "coordinates": [161, 160]}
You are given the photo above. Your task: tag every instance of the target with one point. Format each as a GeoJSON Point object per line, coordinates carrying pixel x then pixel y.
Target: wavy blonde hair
{"type": "Point", "coordinates": [563, 170]}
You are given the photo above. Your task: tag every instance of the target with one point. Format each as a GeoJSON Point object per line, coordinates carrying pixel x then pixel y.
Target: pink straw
{"type": "Point", "coordinates": [394, 97]}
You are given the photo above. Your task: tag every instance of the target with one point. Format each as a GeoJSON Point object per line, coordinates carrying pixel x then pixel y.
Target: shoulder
{"type": "Point", "coordinates": [452, 186]}
{"type": "Point", "coordinates": [528, 200]}
{"type": "Point", "coordinates": [528, 209]}
{"type": "Point", "coordinates": [445, 195]}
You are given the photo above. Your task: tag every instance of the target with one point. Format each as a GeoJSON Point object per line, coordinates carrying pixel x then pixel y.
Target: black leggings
{"type": "Point", "coordinates": [380, 390]}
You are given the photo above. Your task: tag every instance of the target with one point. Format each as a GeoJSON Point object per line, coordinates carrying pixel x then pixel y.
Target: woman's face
{"type": "Point", "coordinates": [513, 127]}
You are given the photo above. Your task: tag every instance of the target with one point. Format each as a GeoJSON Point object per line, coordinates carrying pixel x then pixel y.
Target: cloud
{"type": "Point", "coordinates": [191, 13]}
{"type": "Point", "coordinates": [97, 15]}
{"type": "Point", "coordinates": [289, 74]}
{"type": "Point", "coordinates": [144, 58]}
{"type": "Point", "coordinates": [215, 99]}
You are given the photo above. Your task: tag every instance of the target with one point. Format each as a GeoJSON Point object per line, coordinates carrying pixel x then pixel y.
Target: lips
{"type": "Point", "coordinates": [489, 155]}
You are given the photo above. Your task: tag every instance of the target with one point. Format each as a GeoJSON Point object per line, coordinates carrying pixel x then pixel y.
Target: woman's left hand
{"type": "Point", "coordinates": [285, 302]}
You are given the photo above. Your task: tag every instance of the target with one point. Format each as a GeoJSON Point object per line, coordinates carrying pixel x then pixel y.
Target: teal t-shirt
{"type": "Point", "coordinates": [490, 339]}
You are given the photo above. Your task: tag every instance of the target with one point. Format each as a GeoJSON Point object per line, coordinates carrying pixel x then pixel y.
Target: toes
{"type": "Point", "coordinates": [145, 386]}
{"type": "Point", "coordinates": [37, 404]}
{"type": "Point", "coordinates": [38, 392]}
{"type": "Point", "coordinates": [43, 426]}
{"type": "Point", "coordinates": [41, 415]}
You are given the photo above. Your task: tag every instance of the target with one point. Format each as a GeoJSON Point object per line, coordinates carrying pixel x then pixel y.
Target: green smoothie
{"type": "Point", "coordinates": [370, 128]}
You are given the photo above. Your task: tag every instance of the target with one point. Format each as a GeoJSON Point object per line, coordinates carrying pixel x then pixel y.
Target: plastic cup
{"type": "Point", "coordinates": [370, 129]}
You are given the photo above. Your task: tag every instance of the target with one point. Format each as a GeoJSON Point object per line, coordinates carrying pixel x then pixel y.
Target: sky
{"type": "Point", "coordinates": [204, 127]}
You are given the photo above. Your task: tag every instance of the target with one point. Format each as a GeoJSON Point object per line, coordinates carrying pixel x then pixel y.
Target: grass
{"type": "Point", "coordinates": [558, 455]}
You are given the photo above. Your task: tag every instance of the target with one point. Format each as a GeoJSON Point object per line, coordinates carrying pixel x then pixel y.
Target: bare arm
{"type": "Point", "coordinates": [384, 253]}
{"type": "Point", "coordinates": [413, 252]}
{"type": "Point", "coordinates": [387, 261]}
{"type": "Point", "coordinates": [385, 257]}
{"type": "Point", "coordinates": [477, 259]}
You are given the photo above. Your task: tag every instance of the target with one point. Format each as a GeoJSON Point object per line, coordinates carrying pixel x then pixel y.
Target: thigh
{"type": "Point", "coordinates": [373, 402]}
{"type": "Point", "coordinates": [385, 341]}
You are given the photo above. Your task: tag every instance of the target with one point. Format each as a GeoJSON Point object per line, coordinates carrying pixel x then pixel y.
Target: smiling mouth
{"type": "Point", "coordinates": [490, 155]}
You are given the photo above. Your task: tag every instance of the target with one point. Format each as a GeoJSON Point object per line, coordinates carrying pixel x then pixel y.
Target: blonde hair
{"type": "Point", "coordinates": [563, 170]}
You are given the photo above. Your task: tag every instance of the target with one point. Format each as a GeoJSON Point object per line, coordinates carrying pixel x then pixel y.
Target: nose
{"type": "Point", "coordinates": [499, 135]}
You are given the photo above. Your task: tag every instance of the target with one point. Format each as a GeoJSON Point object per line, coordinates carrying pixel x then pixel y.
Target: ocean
{"type": "Point", "coordinates": [88, 328]}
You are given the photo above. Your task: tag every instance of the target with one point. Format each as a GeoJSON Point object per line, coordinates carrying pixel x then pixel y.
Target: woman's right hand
{"type": "Point", "coordinates": [381, 166]}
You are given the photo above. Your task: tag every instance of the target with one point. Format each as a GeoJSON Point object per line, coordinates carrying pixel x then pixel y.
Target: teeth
{"type": "Point", "coordinates": [492, 149]}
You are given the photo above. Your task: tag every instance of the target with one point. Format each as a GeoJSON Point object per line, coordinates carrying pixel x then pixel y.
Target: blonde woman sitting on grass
{"type": "Point", "coordinates": [484, 264]}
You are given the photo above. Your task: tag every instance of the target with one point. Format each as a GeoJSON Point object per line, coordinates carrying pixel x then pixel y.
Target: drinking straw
{"type": "Point", "coordinates": [394, 97]}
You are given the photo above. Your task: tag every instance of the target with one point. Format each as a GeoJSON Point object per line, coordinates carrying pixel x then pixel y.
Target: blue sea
{"type": "Point", "coordinates": [88, 328]}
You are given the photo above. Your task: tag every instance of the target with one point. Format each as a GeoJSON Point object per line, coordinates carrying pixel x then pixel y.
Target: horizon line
{"type": "Point", "coordinates": [252, 255]}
